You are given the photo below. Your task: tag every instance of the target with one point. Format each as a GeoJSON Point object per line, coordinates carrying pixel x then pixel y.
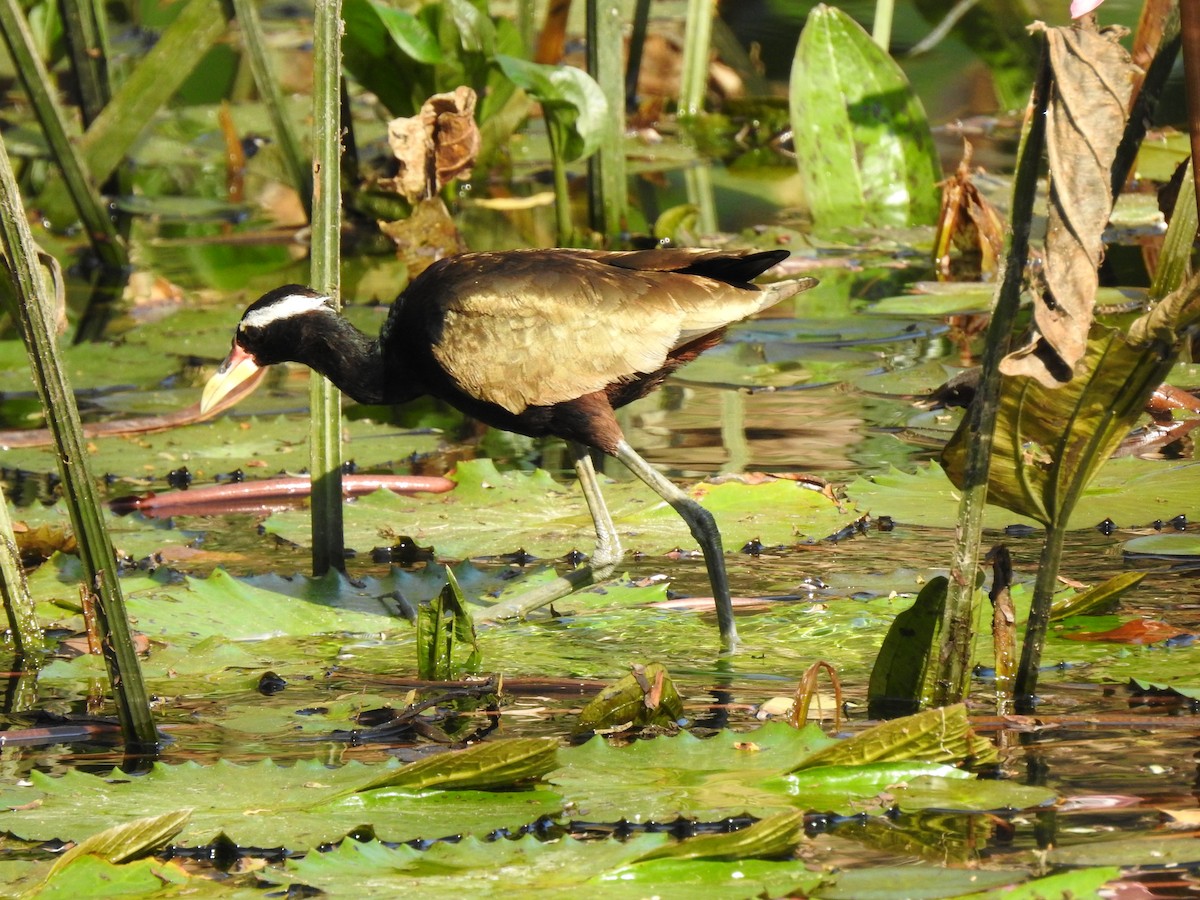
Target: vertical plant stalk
{"type": "Point", "coordinates": [1189, 30]}
{"type": "Point", "coordinates": [637, 43]}
{"type": "Point", "coordinates": [697, 38]}
{"type": "Point", "coordinates": [28, 639]}
{"type": "Point", "coordinates": [40, 88]}
{"type": "Point", "coordinates": [697, 179]}
{"type": "Point", "coordinates": [881, 28]}
{"type": "Point", "coordinates": [84, 507]}
{"type": "Point", "coordinates": [526, 26]}
{"type": "Point", "coordinates": [1039, 616]}
{"type": "Point", "coordinates": [268, 89]}
{"type": "Point", "coordinates": [89, 59]}
{"type": "Point", "coordinates": [1145, 101]}
{"type": "Point", "coordinates": [328, 539]}
{"type": "Point", "coordinates": [607, 197]}
{"type": "Point", "coordinates": [562, 190]}
{"type": "Point", "coordinates": [957, 636]}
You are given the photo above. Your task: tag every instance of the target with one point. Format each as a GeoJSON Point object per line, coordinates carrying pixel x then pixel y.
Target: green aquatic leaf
{"type": "Point", "coordinates": [936, 735]}
{"type": "Point", "coordinates": [299, 806]}
{"type": "Point", "coordinates": [1158, 852]}
{"type": "Point", "coordinates": [863, 144]}
{"type": "Point", "coordinates": [1164, 546]}
{"type": "Point", "coordinates": [897, 686]}
{"type": "Point", "coordinates": [1131, 492]}
{"type": "Point", "coordinates": [556, 869]}
{"type": "Point", "coordinates": [441, 624]}
{"type": "Point", "coordinates": [576, 109]}
{"type": "Point", "coordinates": [646, 696]}
{"type": "Point", "coordinates": [775, 836]}
{"type": "Point", "coordinates": [507, 511]}
{"type": "Point", "coordinates": [1099, 598]}
{"type": "Point", "coordinates": [914, 882]}
{"type": "Point", "coordinates": [483, 766]}
{"type": "Point", "coordinates": [1081, 883]}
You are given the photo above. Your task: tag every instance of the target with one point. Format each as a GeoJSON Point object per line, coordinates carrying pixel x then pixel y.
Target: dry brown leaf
{"type": "Point", "coordinates": [967, 221]}
{"type": "Point", "coordinates": [1093, 81]}
{"type": "Point", "coordinates": [438, 144]}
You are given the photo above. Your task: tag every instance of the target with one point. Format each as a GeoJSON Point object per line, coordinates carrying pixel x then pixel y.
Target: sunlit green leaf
{"type": "Point", "coordinates": [862, 140]}
{"type": "Point", "coordinates": [775, 835]}
{"type": "Point", "coordinates": [266, 805]}
{"type": "Point", "coordinates": [409, 33]}
{"type": "Point", "coordinates": [1082, 883]}
{"type": "Point", "coordinates": [1098, 598]}
{"type": "Point", "coordinates": [489, 764]}
{"type": "Point", "coordinates": [1129, 851]}
{"type": "Point", "coordinates": [938, 735]}
{"type": "Point", "coordinates": [915, 882]}
{"type": "Point", "coordinates": [618, 869]}
{"type": "Point", "coordinates": [574, 105]}
{"type": "Point", "coordinates": [441, 624]}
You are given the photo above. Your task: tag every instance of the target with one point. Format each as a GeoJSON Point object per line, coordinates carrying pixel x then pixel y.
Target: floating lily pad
{"type": "Point", "coordinates": [492, 512]}
{"type": "Point", "coordinates": [1131, 492]}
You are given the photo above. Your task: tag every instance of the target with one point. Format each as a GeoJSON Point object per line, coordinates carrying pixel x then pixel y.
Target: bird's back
{"type": "Point", "coordinates": [538, 327]}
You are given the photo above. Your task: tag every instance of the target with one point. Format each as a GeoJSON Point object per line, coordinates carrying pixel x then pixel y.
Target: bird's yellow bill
{"type": "Point", "coordinates": [239, 366]}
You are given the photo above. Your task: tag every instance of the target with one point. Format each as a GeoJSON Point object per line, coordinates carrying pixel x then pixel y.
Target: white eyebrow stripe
{"type": "Point", "coordinates": [283, 308]}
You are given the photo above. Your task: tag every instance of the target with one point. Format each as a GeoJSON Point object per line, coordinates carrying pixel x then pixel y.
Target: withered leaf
{"type": "Point", "coordinates": [967, 221]}
{"type": "Point", "coordinates": [1093, 80]}
{"type": "Point", "coordinates": [438, 144]}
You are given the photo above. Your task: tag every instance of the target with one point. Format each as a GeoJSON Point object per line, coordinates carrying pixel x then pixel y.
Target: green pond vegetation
{"type": "Point", "coordinates": [256, 694]}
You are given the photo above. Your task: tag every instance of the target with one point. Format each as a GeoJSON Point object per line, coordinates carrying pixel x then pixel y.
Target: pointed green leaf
{"type": "Point", "coordinates": [897, 678]}
{"type": "Point", "coordinates": [128, 841]}
{"type": "Point", "coordinates": [491, 764]}
{"type": "Point", "coordinates": [632, 701]}
{"type": "Point", "coordinates": [775, 835]}
{"type": "Point", "coordinates": [863, 144]}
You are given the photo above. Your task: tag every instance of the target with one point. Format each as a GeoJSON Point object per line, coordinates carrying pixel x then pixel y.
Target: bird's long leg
{"type": "Point", "coordinates": [608, 550]}
{"type": "Point", "coordinates": [704, 530]}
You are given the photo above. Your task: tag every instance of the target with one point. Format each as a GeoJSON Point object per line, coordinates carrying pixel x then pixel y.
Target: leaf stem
{"type": "Point", "coordinates": [957, 636]}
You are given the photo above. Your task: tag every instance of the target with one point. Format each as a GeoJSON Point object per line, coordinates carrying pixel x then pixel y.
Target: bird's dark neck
{"type": "Point", "coordinates": [351, 360]}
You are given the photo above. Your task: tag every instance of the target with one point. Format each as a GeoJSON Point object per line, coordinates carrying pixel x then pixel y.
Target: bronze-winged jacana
{"type": "Point", "coordinates": [538, 342]}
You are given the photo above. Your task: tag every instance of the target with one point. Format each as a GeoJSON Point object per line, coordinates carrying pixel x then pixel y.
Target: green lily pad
{"type": "Point", "coordinates": [492, 512]}
{"type": "Point", "coordinates": [1131, 492]}
{"type": "Point", "coordinates": [266, 805]}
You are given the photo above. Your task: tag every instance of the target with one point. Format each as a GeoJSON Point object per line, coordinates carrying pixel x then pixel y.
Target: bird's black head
{"type": "Point", "coordinates": [272, 327]}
